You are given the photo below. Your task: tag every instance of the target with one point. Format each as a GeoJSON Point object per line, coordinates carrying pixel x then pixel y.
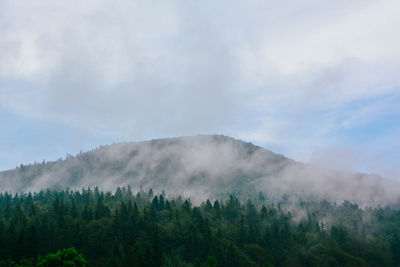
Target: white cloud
{"type": "Point", "coordinates": [138, 69]}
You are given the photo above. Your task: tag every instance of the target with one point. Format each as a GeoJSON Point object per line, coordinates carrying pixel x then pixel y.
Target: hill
{"type": "Point", "coordinates": [200, 167]}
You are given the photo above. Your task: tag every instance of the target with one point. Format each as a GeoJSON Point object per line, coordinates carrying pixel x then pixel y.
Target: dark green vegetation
{"type": "Point", "coordinates": [62, 258]}
{"type": "Point", "coordinates": [144, 229]}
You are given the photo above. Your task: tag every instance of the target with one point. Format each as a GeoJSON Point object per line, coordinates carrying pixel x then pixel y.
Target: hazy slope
{"type": "Point", "coordinates": [198, 167]}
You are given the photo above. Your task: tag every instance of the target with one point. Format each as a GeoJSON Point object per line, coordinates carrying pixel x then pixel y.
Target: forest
{"type": "Point", "coordinates": [90, 227]}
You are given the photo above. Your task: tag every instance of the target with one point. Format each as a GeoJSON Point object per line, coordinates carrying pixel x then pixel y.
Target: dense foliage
{"type": "Point", "coordinates": [144, 229]}
{"type": "Point", "coordinates": [62, 258]}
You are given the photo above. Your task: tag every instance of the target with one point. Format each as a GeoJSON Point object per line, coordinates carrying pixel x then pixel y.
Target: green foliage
{"type": "Point", "coordinates": [66, 257]}
{"type": "Point", "coordinates": [211, 262]}
{"type": "Point", "coordinates": [63, 258]}
{"type": "Point", "coordinates": [147, 229]}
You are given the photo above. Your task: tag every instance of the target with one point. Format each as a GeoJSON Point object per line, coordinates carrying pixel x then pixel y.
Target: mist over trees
{"type": "Point", "coordinates": [195, 201]}
{"type": "Point", "coordinates": [146, 228]}
{"type": "Point", "coordinates": [201, 167]}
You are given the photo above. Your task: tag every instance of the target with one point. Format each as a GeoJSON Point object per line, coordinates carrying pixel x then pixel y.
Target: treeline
{"type": "Point", "coordinates": [148, 229]}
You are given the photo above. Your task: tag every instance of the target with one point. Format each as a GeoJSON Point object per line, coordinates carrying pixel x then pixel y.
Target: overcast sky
{"type": "Point", "coordinates": [317, 81]}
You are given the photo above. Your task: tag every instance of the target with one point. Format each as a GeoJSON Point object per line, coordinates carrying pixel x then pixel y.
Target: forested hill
{"type": "Point", "coordinates": [200, 167]}
{"type": "Point", "coordinates": [144, 229]}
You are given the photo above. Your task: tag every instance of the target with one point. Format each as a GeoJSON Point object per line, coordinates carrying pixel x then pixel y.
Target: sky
{"type": "Point", "coordinates": [317, 81]}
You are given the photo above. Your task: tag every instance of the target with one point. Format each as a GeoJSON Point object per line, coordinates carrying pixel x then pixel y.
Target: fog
{"type": "Point", "coordinates": [200, 167]}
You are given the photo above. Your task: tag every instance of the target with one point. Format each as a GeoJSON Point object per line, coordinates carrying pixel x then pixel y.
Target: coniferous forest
{"type": "Point", "coordinates": [126, 228]}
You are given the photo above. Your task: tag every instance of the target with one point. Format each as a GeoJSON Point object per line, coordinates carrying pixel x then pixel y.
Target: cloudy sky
{"type": "Point", "coordinates": [317, 81]}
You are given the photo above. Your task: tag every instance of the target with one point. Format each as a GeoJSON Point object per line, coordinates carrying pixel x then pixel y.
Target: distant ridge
{"type": "Point", "coordinates": [201, 166]}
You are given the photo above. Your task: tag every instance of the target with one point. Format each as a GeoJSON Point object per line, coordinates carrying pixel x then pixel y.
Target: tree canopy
{"type": "Point", "coordinates": [95, 228]}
